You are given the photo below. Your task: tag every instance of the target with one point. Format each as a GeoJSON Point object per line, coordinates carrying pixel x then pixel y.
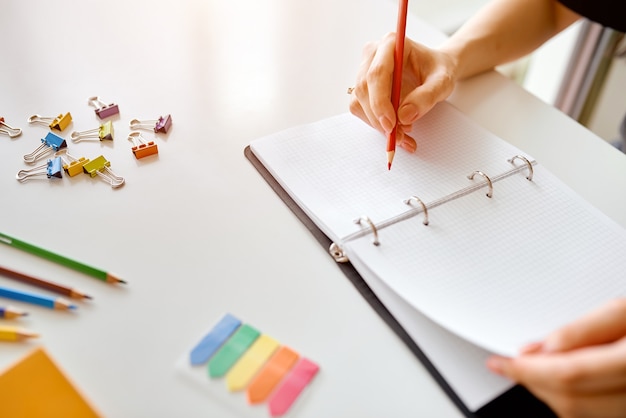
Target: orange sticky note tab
{"type": "Point", "coordinates": [36, 387]}
{"type": "Point", "coordinates": [252, 360]}
{"type": "Point", "coordinates": [271, 374]}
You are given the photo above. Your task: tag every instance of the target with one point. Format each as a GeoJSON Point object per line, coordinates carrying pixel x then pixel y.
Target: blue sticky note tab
{"type": "Point", "coordinates": [214, 339]}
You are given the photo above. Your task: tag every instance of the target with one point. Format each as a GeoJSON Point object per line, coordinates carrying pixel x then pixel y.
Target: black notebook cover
{"type": "Point", "coordinates": [514, 403]}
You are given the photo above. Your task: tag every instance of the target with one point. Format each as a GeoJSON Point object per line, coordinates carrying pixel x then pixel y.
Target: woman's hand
{"type": "Point", "coordinates": [428, 78]}
{"type": "Point", "coordinates": [579, 370]}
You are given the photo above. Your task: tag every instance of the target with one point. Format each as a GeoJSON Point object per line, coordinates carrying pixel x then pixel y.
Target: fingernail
{"type": "Point", "coordinates": [386, 124]}
{"type": "Point", "coordinates": [407, 114]}
{"type": "Point", "coordinates": [408, 144]}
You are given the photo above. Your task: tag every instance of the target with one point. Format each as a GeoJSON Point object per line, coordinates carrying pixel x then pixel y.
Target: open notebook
{"type": "Point", "coordinates": [487, 274]}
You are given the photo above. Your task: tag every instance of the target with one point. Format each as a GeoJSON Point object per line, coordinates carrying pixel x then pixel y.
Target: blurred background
{"type": "Point", "coordinates": [582, 71]}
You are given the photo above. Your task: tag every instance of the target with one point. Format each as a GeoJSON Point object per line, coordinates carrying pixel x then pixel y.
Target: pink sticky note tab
{"type": "Point", "coordinates": [292, 386]}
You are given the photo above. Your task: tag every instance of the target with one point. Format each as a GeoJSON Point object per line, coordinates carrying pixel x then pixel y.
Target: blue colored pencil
{"type": "Point", "coordinates": [36, 299]}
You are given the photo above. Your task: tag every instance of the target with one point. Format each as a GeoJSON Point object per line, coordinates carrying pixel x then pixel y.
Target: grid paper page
{"type": "Point", "coordinates": [505, 271]}
{"type": "Point", "coordinates": [336, 169]}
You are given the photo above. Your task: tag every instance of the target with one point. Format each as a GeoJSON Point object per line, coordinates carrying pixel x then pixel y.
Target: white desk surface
{"type": "Point", "coordinates": [196, 231]}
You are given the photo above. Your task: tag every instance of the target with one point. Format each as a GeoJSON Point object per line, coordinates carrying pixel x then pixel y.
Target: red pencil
{"type": "Point", "coordinates": [397, 77]}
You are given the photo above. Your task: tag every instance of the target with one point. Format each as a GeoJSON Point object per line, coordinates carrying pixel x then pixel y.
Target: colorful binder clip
{"type": "Point", "coordinates": [72, 165]}
{"type": "Point", "coordinates": [9, 130]}
{"type": "Point", "coordinates": [50, 143]}
{"type": "Point", "coordinates": [52, 169]}
{"type": "Point", "coordinates": [59, 123]}
{"type": "Point", "coordinates": [103, 110]}
{"type": "Point", "coordinates": [99, 166]}
{"type": "Point", "coordinates": [103, 133]}
{"type": "Point", "coordinates": [142, 148]}
{"type": "Point", "coordinates": [157, 125]}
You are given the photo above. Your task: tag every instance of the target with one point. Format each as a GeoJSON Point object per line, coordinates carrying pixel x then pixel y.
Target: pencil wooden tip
{"type": "Point", "coordinates": [390, 155]}
{"type": "Point", "coordinates": [112, 278]}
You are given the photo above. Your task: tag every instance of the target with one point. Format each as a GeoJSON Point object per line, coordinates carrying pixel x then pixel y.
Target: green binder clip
{"type": "Point", "coordinates": [100, 167]}
{"type": "Point", "coordinates": [103, 133]}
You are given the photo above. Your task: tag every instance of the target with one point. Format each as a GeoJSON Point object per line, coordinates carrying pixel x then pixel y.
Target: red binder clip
{"type": "Point", "coordinates": [157, 125]}
{"type": "Point", "coordinates": [142, 148]}
{"type": "Point", "coordinates": [59, 123]}
{"type": "Point", "coordinates": [103, 110]}
{"type": "Point", "coordinates": [102, 133]}
{"type": "Point", "coordinates": [9, 130]}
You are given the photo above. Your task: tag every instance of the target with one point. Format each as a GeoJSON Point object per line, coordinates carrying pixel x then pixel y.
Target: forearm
{"type": "Point", "coordinates": [503, 31]}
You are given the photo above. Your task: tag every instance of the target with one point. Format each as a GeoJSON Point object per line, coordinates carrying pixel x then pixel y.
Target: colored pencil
{"type": "Point", "coordinates": [397, 77]}
{"type": "Point", "coordinates": [44, 284]}
{"type": "Point", "coordinates": [15, 334]}
{"type": "Point", "coordinates": [62, 260]}
{"type": "Point", "coordinates": [36, 299]}
{"type": "Point", "coordinates": [10, 313]}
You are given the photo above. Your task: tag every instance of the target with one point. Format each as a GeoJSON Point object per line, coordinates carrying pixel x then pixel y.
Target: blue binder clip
{"type": "Point", "coordinates": [52, 169]}
{"type": "Point", "coordinates": [50, 143]}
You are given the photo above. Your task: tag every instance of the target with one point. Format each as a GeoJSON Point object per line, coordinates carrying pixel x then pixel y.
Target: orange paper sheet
{"type": "Point", "coordinates": [36, 387]}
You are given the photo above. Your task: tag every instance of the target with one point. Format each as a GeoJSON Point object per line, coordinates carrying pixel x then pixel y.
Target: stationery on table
{"type": "Point", "coordinates": [15, 334]}
{"type": "Point", "coordinates": [35, 386]}
{"type": "Point", "coordinates": [36, 299]}
{"type": "Point", "coordinates": [11, 313]}
{"type": "Point", "coordinates": [44, 284]}
{"type": "Point", "coordinates": [480, 248]}
{"type": "Point", "coordinates": [59, 259]}
{"type": "Point", "coordinates": [396, 86]}
{"type": "Point", "coordinates": [235, 360]}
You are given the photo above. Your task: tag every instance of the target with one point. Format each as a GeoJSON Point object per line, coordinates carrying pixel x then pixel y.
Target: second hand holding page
{"type": "Point", "coordinates": [499, 272]}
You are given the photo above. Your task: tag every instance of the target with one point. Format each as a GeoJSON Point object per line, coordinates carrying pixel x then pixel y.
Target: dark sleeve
{"type": "Point", "coordinates": [605, 12]}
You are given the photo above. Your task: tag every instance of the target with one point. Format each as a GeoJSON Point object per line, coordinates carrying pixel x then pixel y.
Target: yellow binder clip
{"type": "Point", "coordinates": [59, 123]}
{"type": "Point", "coordinates": [72, 165]}
{"type": "Point", "coordinates": [142, 148]}
{"type": "Point", "coordinates": [9, 130]}
{"type": "Point", "coordinates": [99, 166]}
{"type": "Point", "coordinates": [102, 133]}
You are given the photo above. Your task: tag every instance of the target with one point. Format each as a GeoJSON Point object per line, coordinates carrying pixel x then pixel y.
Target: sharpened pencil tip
{"type": "Point", "coordinates": [87, 297]}
{"type": "Point", "coordinates": [388, 166]}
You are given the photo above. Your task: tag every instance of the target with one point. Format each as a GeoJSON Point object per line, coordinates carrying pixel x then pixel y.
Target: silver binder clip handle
{"type": "Point", "coordinates": [424, 209]}
{"type": "Point", "coordinates": [529, 177]}
{"type": "Point", "coordinates": [338, 254]}
{"type": "Point", "coordinates": [480, 173]}
{"type": "Point", "coordinates": [8, 130]}
{"type": "Point", "coordinates": [367, 220]}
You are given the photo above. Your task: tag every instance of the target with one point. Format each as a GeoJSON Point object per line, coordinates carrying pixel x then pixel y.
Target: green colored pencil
{"type": "Point", "coordinates": [64, 261]}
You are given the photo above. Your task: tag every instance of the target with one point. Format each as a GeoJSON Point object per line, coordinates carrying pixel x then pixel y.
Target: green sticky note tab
{"type": "Point", "coordinates": [230, 352]}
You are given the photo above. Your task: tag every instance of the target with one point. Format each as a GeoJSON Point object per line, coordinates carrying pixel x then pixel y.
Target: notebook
{"type": "Point", "coordinates": [36, 387]}
{"type": "Point", "coordinates": [509, 252]}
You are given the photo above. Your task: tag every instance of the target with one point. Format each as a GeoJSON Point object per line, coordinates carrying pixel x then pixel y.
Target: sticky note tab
{"type": "Point", "coordinates": [250, 362]}
{"type": "Point", "coordinates": [292, 386]}
{"type": "Point", "coordinates": [230, 352]}
{"type": "Point", "coordinates": [271, 374]}
{"type": "Point", "coordinates": [214, 339]}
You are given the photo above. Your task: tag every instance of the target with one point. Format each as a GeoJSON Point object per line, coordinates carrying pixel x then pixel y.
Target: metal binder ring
{"type": "Point", "coordinates": [372, 226]}
{"type": "Point", "coordinates": [424, 209]}
{"type": "Point", "coordinates": [480, 173]}
{"type": "Point", "coordinates": [338, 254]}
{"type": "Point", "coordinates": [530, 166]}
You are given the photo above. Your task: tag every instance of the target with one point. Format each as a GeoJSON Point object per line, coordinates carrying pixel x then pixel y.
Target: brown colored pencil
{"type": "Point", "coordinates": [44, 284]}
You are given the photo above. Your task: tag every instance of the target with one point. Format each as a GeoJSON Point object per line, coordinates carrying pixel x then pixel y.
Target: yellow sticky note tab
{"type": "Point", "coordinates": [251, 362]}
{"type": "Point", "coordinates": [36, 387]}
